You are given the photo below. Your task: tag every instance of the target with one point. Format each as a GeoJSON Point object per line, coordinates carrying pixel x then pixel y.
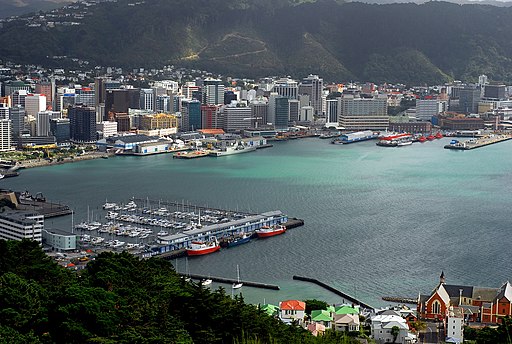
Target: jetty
{"type": "Point", "coordinates": [38, 203]}
{"type": "Point", "coordinates": [333, 290]}
{"type": "Point", "coordinates": [477, 142]}
{"type": "Point", "coordinates": [409, 300]}
{"type": "Point", "coordinates": [231, 281]}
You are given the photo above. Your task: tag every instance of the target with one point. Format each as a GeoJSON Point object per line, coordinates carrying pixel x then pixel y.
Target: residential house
{"type": "Point", "coordinates": [346, 318]}
{"type": "Point", "coordinates": [292, 311]}
{"type": "Point", "coordinates": [382, 325]}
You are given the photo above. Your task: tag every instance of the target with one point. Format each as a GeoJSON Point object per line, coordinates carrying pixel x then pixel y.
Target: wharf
{"type": "Point", "coordinates": [191, 155]}
{"type": "Point", "coordinates": [266, 145]}
{"type": "Point", "coordinates": [293, 223]}
{"type": "Point", "coordinates": [45, 208]}
{"type": "Point", "coordinates": [408, 300]}
{"type": "Point", "coordinates": [477, 143]}
{"type": "Point", "coordinates": [173, 254]}
{"type": "Point", "coordinates": [231, 281]}
{"type": "Point", "coordinates": [333, 290]}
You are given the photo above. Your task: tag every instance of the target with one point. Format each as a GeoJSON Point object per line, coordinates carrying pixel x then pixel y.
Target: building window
{"type": "Point", "coordinates": [436, 307]}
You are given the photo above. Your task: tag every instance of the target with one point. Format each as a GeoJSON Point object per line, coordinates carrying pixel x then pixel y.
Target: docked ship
{"type": "Point", "coordinates": [438, 135]}
{"type": "Point", "coordinates": [329, 135]}
{"type": "Point", "coordinates": [394, 140]}
{"type": "Point", "coordinates": [355, 137]}
{"type": "Point", "coordinates": [199, 248]}
{"type": "Point", "coordinates": [236, 240]}
{"type": "Point", "coordinates": [267, 231]}
{"type": "Point", "coordinates": [230, 150]}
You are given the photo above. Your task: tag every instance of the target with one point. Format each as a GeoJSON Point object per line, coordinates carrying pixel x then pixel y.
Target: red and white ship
{"type": "Point", "coordinates": [267, 231]}
{"type": "Point", "coordinates": [199, 248]}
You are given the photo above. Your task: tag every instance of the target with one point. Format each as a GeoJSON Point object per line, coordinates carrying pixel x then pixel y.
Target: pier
{"type": "Point", "coordinates": [231, 281]}
{"type": "Point", "coordinates": [333, 290]}
{"type": "Point", "coordinates": [408, 300]}
{"type": "Point", "coordinates": [478, 142]}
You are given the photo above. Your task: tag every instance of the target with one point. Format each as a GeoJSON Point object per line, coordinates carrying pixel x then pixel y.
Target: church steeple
{"type": "Point", "coordinates": [442, 279]}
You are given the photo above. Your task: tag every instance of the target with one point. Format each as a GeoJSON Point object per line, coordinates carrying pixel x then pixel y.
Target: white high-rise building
{"type": "Point", "coordinates": [34, 103]}
{"type": "Point", "coordinates": [107, 128]}
{"type": "Point", "coordinates": [236, 118]}
{"type": "Point", "coordinates": [6, 143]}
{"type": "Point", "coordinates": [147, 99]}
{"type": "Point", "coordinates": [313, 86]}
{"type": "Point", "coordinates": [213, 92]}
{"type": "Point", "coordinates": [287, 88]}
{"type": "Point", "coordinates": [364, 113]}
{"type": "Point", "coordinates": [427, 108]}
{"type": "Point", "coordinates": [4, 111]}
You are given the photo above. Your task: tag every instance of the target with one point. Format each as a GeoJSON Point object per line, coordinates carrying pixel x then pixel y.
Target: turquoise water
{"type": "Point", "coordinates": [379, 221]}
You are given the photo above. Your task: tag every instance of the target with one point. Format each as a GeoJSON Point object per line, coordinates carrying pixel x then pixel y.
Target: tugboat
{"type": "Point", "coordinates": [267, 231]}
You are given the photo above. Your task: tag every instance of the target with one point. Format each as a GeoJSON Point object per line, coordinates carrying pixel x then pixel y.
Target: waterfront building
{"type": "Point", "coordinates": [313, 86]}
{"type": "Point", "coordinates": [236, 118]}
{"type": "Point", "coordinates": [158, 125]}
{"type": "Point", "coordinates": [461, 123]}
{"type": "Point", "coordinates": [411, 127]}
{"type": "Point", "coordinates": [210, 116]}
{"type": "Point", "coordinates": [43, 122]}
{"type": "Point", "coordinates": [485, 305]}
{"type": "Point", "coordinates": [282, 112]}
{"type": "Point", "coordinates": [48, 89]}
{"type": "Point", "coordinates": [125, 143]}
{"type": "Point", "coordinates": [271, 112]}
{"type": "Point", "coordinates": [82, 123]}
{"type": "Point", "coordinates": [213, 92]}
{"type": "Point", "coordinates": [428, 108]}
{"type": "Point", "coordinates": [469, 97]}
{"type": "Point", "coordinates": [191, 115]}
{"type": "Point", "coordinates": [35, 141]}
{"type": "Point", "coordinates": [19, 225]}
{"type": "Point", "coordinates": [291, 311]}
{"type": "Point", "coordinates": [364, 113]}
{"type": "Point", "coordinates": [107, 128]}
{"type": "Point", "coordinates": [332, 110]}
{"type": "Point", "coordinates": [59, 240]}
{"type": "Point", "coordinates": [6, 140]}
{"type": "Point", "coordinates": [35, 103]}
{"type": "Point", "coordinates": [306, 114]}
{"type": "Point", "coordinates": [17, 116]}
{"type": "Point", "coordinates": [286, 87]}
{"type": "Point", "coordinates": [60, 129]}
{"type": "Point", "coordinates": [293, 110]}
{"type": "Point", "coordinates": [259, 111]}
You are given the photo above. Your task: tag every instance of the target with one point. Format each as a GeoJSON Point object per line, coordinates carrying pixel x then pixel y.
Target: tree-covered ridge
{"type": "Point", "coordinates": [121, 299]}
{"type": "Point", "coordinates": [410, 43]}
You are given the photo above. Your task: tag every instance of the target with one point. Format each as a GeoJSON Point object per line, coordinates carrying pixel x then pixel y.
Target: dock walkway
{"type": "Point", "coordinates": [478, 142]}
{"type": "Point", "coordinates": [231, 281]}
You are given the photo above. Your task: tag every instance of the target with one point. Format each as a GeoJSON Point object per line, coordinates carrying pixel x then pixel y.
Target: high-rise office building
{"type": "Point", "coordinates": [46, 88]}
{"type": "Point", "coordinates": [286, 87]}
{"type": "Point", "coordinates": [213, 92]}
{"type": "Point", "coordinates": [236, 118]}
{"type": "Point", "coordinates": [294, 110]}
{"type": "Point", "coordinates": [120, 100]}
{"type": "Point", "coordinates": [259, 112]}
{"type": "Point", "coordinates": [364, 113]}
{"type": "Point", "coordinates": [21, 225]}
{"type": "Point", "coordinates": [163, 104]}
{"type": "Point", "coordinates": [35, 103]}
{"type": "Point", "coordinates": [147, 99]}
{"type": "Point", "coordinates": [427, 108]}
{"type": "Point", "coordinates": [82, 123]}
{"type": "Point", "coordinates": [495, 92]}
{"type": "Point", "coordinates": [281, 112]}
{"type": "Point", "coordinates": [43, 122]}
{"type": "Point", "coordinates": [60, 128]}
{"type": "Point", "coordinates": [210, 115]}
{"type": "Point", "coordinates": [469, 97]}
{"type": "Point", "coordinates": [18, 97]}
{"type": "Point", "coordinates": [12, 86]}
{"type": "Point", "coordinates": [6, 142]}
{"type": "Point", "coordinates": [332, 110]}
{"type": "Point", "coordinates": [4, 111]}
{"type": "Point", "coordinates": [313, 86]}
{"type": "Point", "coordinates": [17, 116]}
{"type": "Point", "coordinates": [86, 96]}
{"type": "Point", "coordinates": [191, 114]}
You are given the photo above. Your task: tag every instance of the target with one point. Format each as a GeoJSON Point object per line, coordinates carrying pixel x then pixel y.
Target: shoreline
{"type": "Point", "coordinates": [43, 162]}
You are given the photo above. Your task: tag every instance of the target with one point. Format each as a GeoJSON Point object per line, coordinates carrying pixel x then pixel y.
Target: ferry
{"type": "Point", "coordinates": [267, 231]}
{"type": "Point", "coordinates": [393, 140]}
{"type": "Point", "coordinates": [355, 137]}
{"type": "Point", "coordinates": [199, 248]}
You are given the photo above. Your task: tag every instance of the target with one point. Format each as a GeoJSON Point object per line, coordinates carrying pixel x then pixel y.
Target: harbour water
{"type": "Point", "coordinates": [378, 221]}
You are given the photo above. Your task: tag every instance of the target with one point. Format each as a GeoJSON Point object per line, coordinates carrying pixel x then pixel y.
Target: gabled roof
{"type": "Point", "coordinates": [270, 309]}
{"type": "Point", "coordinates": [484, 294]}
{"type": "Point", "coordinates": [394, 323]}
{"type": "Point", "coordinates": [320, 315]}
{"type": "Point", "coordinates": [454, 290]}
{"type": "Point", "coordinates": [505, 292]}
{"type": "Point", "coordinates": [442, 293]}
{"type": "Point", "coordinates": [345, 310]}
{"type": "Point", "coordinates": [348, 319]}
{"type": "Point", "coordinates": [292, 305]}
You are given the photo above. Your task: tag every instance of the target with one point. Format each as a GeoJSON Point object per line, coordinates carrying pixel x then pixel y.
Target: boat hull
{"type": "Point", "coordinates": [270, 233]}
{"type": "Point", "coordinates": [239, 242]}
{"type": "Point", "coordinates": [202, 251]}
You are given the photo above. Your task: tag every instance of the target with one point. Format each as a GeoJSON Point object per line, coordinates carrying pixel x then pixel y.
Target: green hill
{"type": "Point", "coordinates": [409, 43]}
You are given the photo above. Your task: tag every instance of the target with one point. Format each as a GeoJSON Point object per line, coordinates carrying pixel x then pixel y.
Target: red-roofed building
{"type": "Point", "coordinates": [292, 310]}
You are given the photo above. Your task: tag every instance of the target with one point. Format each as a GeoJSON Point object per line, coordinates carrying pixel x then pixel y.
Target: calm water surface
{"type": "Point", "coordinates": [379, 221]}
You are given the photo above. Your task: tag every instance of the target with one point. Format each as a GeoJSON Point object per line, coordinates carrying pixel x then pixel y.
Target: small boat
{"type": "Point", "coordinates": [206, 282]}
{"type": "Point", "coordinates": [199, 248]}
{"type": "Point", "coordinates": [422, 139]}
{"type": "Point", "coordinates": [162, 233]}
{"type": "Point", "coordinates": [238, 284]}
{"type": "Point", "coordinates": [404, 143]}
{"type": "Point", "coordinates": [431, 137]}
{"type": "Point", "coordinates": [439, 135]}
{"type": "Point", "coordinates": [108, 206]}
{"type": "Point", "coordinates": [267, 231]}
{"type": "Point", "coordinates": [239, 240]}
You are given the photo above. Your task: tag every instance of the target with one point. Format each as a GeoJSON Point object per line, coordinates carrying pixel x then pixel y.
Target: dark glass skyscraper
{"type": "Point", "coordinates": [82, 123]}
